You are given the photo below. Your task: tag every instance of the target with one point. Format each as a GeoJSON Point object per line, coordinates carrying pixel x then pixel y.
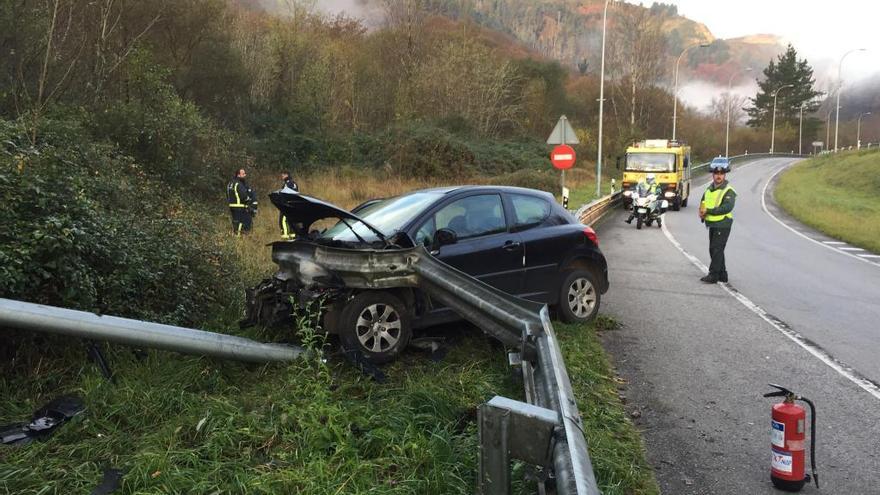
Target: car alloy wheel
{"type": "Point", "coordinates": [375, 324]}
{"type": "Point", "coordinates": [579, 300]}
{"type": "Point", "coordinates": [378, 328]}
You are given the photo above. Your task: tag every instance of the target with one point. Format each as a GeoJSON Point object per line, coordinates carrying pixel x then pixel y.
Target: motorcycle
{"type": "Point", "coordinates": [647, 207]}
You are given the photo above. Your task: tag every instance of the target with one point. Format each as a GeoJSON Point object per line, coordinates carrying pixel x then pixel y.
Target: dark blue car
{"type": "Point", "coordinates": [518, 240]}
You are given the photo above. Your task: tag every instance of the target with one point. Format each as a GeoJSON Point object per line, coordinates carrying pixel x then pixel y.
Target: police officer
{"type": "Point", "coordinates": [242, 202]}
{"type": "Point", "coordinates": [287, 182]}
{"type": "Point", "coordinates": [716, 211]}
{"type": "Point", "coordinates": [648, 187]}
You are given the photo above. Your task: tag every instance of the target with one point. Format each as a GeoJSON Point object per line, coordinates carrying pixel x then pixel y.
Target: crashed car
{"type": "Point", "coordinates": [518, 240]}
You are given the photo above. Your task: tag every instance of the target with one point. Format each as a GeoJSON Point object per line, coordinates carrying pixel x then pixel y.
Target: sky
{"type": "Point", "coordinates": [821, 31]}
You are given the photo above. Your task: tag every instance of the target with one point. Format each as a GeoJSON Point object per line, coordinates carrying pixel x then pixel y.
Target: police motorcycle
{"type": "Point", "coordinates": [646, 205]}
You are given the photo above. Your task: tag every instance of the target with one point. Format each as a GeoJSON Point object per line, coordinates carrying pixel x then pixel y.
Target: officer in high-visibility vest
{"type": "Point", "coordinates": [287, 185]}
{"type": "Point", "coordinates": [242, 203]}
{"type": "Point", "coordinates": [644, 188]}
{"type": "Point", "coordinates": [716, 211]}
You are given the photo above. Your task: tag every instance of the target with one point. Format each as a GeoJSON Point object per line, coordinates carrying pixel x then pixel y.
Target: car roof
{"type": "Point", "coordinates": [476, 188]}
{"type": "Point", "coordinates": [720, 159]}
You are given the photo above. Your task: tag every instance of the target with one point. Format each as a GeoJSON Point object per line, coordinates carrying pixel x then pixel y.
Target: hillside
{"type": "Point", "coordinates": [570, 30]}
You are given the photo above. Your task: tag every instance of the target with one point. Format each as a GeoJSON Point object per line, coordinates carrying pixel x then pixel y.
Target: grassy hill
{"type": "Point", "coordinates": [836, 194]}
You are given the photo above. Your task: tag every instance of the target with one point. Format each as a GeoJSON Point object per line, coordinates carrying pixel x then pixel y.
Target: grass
{"type": "Point", "coordinates": [836, 194]}
{"type": "Point", "coordinates": [183, 424]}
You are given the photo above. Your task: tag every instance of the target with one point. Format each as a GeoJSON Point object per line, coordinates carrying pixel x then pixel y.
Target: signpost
{"type": "Point", "coordinates": [563, 156]}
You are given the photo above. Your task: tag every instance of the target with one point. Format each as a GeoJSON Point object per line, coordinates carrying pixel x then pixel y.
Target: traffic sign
{"type": "Point", "coordinates": [563, 133]}
{"type": "Point", "coordinates": [563, 157]}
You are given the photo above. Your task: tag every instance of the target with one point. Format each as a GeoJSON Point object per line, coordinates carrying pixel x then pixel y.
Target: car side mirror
{"type": "Point", "coordinates": [444, 237]}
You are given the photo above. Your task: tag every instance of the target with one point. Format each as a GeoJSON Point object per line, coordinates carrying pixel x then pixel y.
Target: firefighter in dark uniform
{"type": "Point", "coordinates": [716, 211]}
{"type": "Point", "coordinates": [242, 202]}
{"type": "Point", "coordinates": [287, 230]}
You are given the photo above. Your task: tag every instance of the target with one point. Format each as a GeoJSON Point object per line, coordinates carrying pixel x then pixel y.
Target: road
{"type": "Point", "coordinates": [697, 358]}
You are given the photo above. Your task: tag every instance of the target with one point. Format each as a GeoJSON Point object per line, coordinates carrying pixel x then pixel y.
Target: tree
{"type": "Point", "coordinates": [637, 51]}
{"type": "Point", "coordinates": [786, 70]}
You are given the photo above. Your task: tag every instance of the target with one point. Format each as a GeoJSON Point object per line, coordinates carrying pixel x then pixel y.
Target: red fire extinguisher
{"type": "Point", "coordinates": [787, 441]}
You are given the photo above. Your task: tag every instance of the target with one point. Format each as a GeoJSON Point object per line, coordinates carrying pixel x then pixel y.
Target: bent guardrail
{"type": "Point", "coordinates": [544, 430]}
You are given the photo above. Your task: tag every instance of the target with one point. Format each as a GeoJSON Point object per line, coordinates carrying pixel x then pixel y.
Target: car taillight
{"type": "Point", "coordinates": [591, 235]}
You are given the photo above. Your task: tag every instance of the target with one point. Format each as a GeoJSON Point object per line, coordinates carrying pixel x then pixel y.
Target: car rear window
{"type": "Point", "coordinates": [529, 210]}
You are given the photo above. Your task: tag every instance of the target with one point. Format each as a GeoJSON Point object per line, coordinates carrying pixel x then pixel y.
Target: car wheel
{"type": "Point", "coordinates": [676, 203]}
{"type": "Point", "coordinates": [578, 298]}
{"type": "Point", "coordinates": [684, 202]}
{"type": "Point", "coordinates": [377, 324]}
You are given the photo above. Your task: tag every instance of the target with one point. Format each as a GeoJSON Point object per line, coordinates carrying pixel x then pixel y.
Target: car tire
{"type": "Point", "coordinates": [579, 297]}
{"type": "Point", "coordinates": [684, 203]}
{"type": "Point", "coordinates": [676, 203]}
{"type": "Point", "coordinates": [376, 324]}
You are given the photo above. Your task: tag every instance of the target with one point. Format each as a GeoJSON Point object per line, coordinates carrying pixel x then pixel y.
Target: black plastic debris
{"type": "Point", "coordinates": [112, 480]}
{"type": "Point", "coordinates": [357, 358]}
{"type": "Point", "coordinates": [44, 421]}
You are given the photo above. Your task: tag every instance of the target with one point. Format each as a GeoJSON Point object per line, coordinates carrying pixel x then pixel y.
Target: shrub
{"type": "Point", "coordinates": [84, 226]}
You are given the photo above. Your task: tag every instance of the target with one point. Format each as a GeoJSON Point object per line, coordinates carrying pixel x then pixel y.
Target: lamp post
{"type": "Point", "coordinates": [801, 131]}
{"type": "Point", "coordinates": [859, 131]}
{"type": "Point", "coordinates": [727, 134]}
{"type": "Point", "coordinates": [839, 90]}
{"type": "Point", "coordinates": [773, 127]}
{"type": "Point", "coordinates": [601, 104]}
{"type": "Point", "coordinates": [675, 86]}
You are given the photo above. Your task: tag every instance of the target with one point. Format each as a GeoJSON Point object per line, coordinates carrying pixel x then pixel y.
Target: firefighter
{"type": "Point", "coordinates": [242, 202]}
{"type": "Point", "coordinates": [287, 182]}
{"type": "Point", "coordinates": [716, 211]}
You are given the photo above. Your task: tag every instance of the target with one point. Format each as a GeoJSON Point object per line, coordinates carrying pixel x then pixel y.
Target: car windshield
{"type": "Point", "coordinates": [650, 162]}
{"type": "Point", "coordinates": [720, 161]}
{"type": "Point", "coordinates": [389, 216]}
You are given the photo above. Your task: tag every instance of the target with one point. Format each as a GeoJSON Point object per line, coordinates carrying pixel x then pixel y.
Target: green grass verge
{"type": "Point", "coordinates": [836, 194]}
{"type": "Point", "coordinates": [180, 424]}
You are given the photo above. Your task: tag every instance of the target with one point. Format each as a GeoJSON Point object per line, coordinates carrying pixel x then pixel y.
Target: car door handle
{"type": "Point", "coordinates": [512, 245]}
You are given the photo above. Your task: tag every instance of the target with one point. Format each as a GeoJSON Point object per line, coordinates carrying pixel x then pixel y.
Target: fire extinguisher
{"type": "Point", "coordinates": [787, 441]}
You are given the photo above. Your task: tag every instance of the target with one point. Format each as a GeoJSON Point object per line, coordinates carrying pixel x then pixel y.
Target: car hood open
{"type": "Point", "coordinates": [306, 210]}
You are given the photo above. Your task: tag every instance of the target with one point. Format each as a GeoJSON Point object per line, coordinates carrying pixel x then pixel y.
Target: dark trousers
{"type": "Point", "coordinates": [241, 220]}
{"type": "Point", "coordinates": [717, 243]}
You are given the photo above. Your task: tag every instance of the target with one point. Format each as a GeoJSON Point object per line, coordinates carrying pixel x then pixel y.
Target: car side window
{"type": "Point", "coordinates": [468, 217]}
{"type": "Point", "coordinates": [529, 210]}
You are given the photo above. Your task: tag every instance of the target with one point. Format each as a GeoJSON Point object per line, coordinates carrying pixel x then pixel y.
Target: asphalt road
{"type": "Point", "coordinates": [697, 360]}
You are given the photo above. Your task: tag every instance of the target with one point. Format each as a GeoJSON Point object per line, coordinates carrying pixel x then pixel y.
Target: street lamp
{"type": "Point", "coordinates": [801, 131]}
{"type": "Point", "coordinates": [839, 88]}
{"type": "Point", "coordinates": [601, 104]}
{"type": "Point", "coordinates": [727, 135]}
{"type": "Point", "coordinates": [828, 129]}
{"type": "Point", "coordinates": [675, 86]}
{"type": "Point", "coordinates": [859, 131]}
{"type": "Point", "coordinates": [773, 128]}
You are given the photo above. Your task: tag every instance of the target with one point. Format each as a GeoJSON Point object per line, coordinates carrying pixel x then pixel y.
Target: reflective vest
{"type": "Point", "coordinates": [237, 194]}
{"type": "Point", "coordinates": [712, 199]}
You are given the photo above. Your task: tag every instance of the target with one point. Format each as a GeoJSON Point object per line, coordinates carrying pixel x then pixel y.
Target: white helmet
{"type": "Point", "coordinates": [650, 178]}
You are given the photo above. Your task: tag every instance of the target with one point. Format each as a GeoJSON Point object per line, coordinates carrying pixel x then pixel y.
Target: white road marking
{"type": "Point", "coordinates": [841, 368]}
{"type": "Point", "coordinates": [852, 249]}
{"type": "Point", "coordinates": [869, 255]}
{"type": "Point", "coordinates": [833, 242]}
{"type": "Point", "coordinates": [780, 222]}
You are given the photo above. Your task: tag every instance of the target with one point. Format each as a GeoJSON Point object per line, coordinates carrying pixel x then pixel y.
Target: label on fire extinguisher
{"type": "Point", "coordinates": [780, 461]}
{"type": "Point", "coordinates": [777, 433]}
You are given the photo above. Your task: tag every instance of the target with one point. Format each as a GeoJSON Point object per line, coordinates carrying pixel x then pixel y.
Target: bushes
{"type": "Point", "coordinates": [83, 226]}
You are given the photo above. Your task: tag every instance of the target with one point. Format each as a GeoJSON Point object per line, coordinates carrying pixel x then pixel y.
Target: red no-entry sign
{"type": "Point", "coordinates": [563, 157]}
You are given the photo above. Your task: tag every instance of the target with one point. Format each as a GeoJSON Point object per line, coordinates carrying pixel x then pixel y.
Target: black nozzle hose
{"type": "Point", "coordinates": [812, 439]}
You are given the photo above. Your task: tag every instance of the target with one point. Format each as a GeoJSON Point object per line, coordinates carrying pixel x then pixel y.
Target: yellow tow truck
{"type": "Point", "coordinates": [669, 161]}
